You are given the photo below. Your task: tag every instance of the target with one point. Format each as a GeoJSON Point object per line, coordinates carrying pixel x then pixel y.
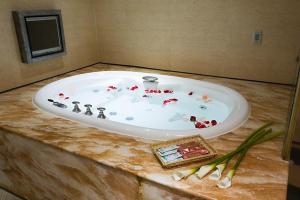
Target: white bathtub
{"type": "Point", "coordinates": [157, 110]}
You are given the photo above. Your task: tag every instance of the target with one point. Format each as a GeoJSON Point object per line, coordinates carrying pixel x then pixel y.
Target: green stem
{"type": "Point", "coordinates": [249, 138]}
{"type": "Point", "coordinates": [256, 132]}
{"type": "Point", "coordinates": [254, 139]}
{"type": "Point", "coordinates": [269, 137]}
{"type": "Point", "coordinates": [249, 143]}
{"type": "Point", "coordinates": [258, 136]}
{"type": "Point", "coordinates": [243, 152]}
{"type": "Point", "coordinates": [239, 160]}
{"type": "Point", "coordinates": [237, 163]}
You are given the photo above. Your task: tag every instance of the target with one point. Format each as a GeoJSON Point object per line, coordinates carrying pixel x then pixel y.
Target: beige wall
{"type": "Point", "coordinates": [80, 34]}
{"type": "Point", "coordinates": [202, 36]}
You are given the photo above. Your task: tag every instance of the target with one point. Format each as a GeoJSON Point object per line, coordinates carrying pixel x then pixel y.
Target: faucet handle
{"type": "Point", "coordinates": [76, 107]}
{"type": "Point", "coordinates": [88, 109]}
{"type": "Point", "coordinates": [101, 109]}
{"type": "Point", "coordinates": [101, 114]}
{"type": "Point", "coordinates": [150, 78]}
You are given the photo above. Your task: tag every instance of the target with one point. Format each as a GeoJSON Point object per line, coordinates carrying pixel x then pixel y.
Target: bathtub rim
{"type": "Point", "coordinates": [140, 131]}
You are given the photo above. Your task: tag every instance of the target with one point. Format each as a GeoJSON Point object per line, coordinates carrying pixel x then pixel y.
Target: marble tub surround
{"type": "Point", "coordinates": [262, 174]}
{"type": "Point", "coordinates": [37, 171]}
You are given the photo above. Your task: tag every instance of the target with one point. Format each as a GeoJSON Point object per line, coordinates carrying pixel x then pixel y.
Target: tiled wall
{"type": "Point", "coordinates": [202, 36]}
{"type": "Point", "coordinates": [80, 36]}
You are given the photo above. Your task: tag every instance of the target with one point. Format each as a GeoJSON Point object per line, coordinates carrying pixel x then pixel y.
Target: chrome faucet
{"type": "Point", "coordinates": [88, 109]}
{"type": "Point", "coordinates": [151, 79]}
{"type": "Point", "coordinates": [57, 104]}
{"type": "Point", "coordinates": [76, 107]}
{"type": "Point", "coordinates": [150, 82]}
{"type": "Point", "coordinates": [60, 105]}
{"type": "Point", "coordinates": [101, 114]}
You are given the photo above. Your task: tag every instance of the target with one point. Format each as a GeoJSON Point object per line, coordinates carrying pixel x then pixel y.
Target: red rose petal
{"type": "Point", "coordinates": [213, 122]}
{"type": "Point", "coordinates": [112, 87]}
{"type": "Point", "coordinates": [198, 124]}
{"type": "Point", "coordinates": [192, 118]}
{"type": "Point", "coordinates": [168, 91]}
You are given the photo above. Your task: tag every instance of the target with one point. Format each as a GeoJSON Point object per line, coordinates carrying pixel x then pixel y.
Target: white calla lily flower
{"type": "Point", "coordinates": [205, 170]}
{"type": "Point", "coordinates": [226, 181]}
{"type": "Point", "coordinates": [216, 175]}
{"type": "Point", "coordinates": [177, 176]}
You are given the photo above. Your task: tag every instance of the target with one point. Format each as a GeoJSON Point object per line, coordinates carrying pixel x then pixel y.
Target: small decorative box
{"type": "Point", "coordinates": [182, 151]}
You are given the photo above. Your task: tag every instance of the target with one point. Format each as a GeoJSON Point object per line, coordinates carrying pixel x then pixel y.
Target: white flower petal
{"type": "Point", "coordinates": [204, 170]}
{"type": "Point", "coordinates": [216, 175]}
{"type": "Point", "coordinates": [225, 183]}
{"type": "Point", "coordinates": [177, 176]}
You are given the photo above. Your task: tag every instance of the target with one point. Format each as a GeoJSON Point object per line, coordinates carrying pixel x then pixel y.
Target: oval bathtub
{"type": "Point", "coordinates": [138, 105]}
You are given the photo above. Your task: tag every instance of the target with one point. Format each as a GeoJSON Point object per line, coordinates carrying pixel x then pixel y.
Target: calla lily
{"type": "Point", "coordinates": [260, 135]}
{"type": "Point", "coordinates": [205, 170]}
{"type": "Point", "coordinates": [226, 181]}
{"type": "Point", "coordinates": [216, 175]}
{"type": "Point", "coordinates": [177, 176]}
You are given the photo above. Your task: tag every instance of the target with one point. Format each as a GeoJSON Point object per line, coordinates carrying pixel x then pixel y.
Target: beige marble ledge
{"type": "Point", "coordinates": [262, 175]}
